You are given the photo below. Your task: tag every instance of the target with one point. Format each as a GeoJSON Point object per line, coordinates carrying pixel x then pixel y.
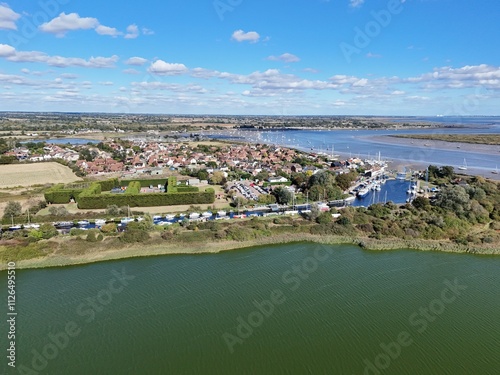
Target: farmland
{"type": "Point", "coordinates": [13, 175]}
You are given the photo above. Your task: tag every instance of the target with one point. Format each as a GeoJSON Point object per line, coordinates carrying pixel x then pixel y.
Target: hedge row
{"type": "Point", "coordinates": [134, 187]}
{"type": "Point", "coordinates": [57, 194]}
{"type": "Point", "coordinates": [93, 190]}
{"type": "Point", "coordinates": [107, 185]}
{"type": "Point", "coordinates": [187, 189]}
{"type": "Point", "coordinates": [172, 184]}
{"type": "Point", "coordinates": [146, 200]}
{"type": "Point", "coordinates": [144, 183]}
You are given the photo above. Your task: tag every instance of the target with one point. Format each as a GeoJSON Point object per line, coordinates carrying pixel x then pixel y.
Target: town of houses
{"type": "Point", "coordinates": [155, 158]}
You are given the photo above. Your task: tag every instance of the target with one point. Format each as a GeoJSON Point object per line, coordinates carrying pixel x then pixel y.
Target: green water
{"type": "Point", "coordinates": [332, 314]}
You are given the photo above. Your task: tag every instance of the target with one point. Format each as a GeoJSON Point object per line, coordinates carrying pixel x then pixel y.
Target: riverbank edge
{"type": "Point", "coordinates": [156, 248]}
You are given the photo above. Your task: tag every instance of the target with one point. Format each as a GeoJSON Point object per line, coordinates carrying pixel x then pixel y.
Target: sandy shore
{"type": "Point", "coordinates": [436, 146]}
{"type": "Point", "coordinates": [441, 145]}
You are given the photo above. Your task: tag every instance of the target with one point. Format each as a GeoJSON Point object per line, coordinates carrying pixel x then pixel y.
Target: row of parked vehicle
{"type": "Point", "coordinates": [246, 192]}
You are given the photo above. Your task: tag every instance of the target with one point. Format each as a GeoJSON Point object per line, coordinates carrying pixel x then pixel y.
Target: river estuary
{"type": "Point", "coordinates": [287, 309]}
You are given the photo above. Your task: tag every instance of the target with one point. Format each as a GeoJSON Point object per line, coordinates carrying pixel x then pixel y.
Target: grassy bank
{"type": "Point", "coordinates": [485, 139]}
{"type": "Point", "coordinates": [66, 251]}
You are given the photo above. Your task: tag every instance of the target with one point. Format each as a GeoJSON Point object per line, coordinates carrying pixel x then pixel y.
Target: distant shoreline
{"type": "Point", "coordinates": [437, 144]}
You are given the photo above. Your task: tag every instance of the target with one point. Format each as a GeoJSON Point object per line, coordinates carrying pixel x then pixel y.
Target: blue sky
{"type": "Point", "coordinates": [314, 57]}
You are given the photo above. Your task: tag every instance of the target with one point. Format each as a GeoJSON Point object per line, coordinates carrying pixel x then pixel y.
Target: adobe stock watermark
{"type": "Point", "coordinates": [372, 29]}
{"type": "Point", "coordinates": [29, 24]}
{"type": "Point", "coordinates": [88, 310]}
{"type": "Point", "coordinates": [264, 309]}
{"type": "Point", "coordinates": [420, 322]}
{"type": "Point", "coordinates": [223, 6]}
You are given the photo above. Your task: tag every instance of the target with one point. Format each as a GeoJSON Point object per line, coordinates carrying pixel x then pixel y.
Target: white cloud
{"type": "Point", "coordinates": [356, 3]}
{"type": "Point", "coordinates": [8, 18]}
{"type": "Point", "coordinates": [161, 67]}
{"type": "Point", "coordinates": [146, 31]}
{"type": "Point", "coordinates": [373, 55]}
{"type": "Point", "coordinates": [68, 22]}
{"type": "Point", "coordinates": [105, 30]}
{"type": "Point", "coordinates": [11, 54]}
{"type": "Point", "coordinates": [132, 32]}
{"type": "Point", "coordinates": [286, 57]}
{"type": "Point", "coordinates": [131, 71]}
{"type": "Point", "coordinates": [468, 76]}
{"type": "Point", "coordinates": [241, 36]}
{"type": "Point", "coordinates": [136, 61]}
{"type": "Point", "coordinates": [106, 83]}
{"type": "Point", "coordinates": [64, 23]}
{"type": "Point", "coordinates": [6, 50]}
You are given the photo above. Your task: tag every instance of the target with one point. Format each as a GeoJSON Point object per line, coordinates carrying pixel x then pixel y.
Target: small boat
{"type": "Point", "coordinates": [170, 217]}
{"type": "Point", "coordinates": [401, 176]}
{"type": "Point", "coordinates": [207, 214]}
{"type": "Point", "coordinates": [221, 213]}
{"type": "Point", "coordinates": [63, 224]}
{"type": "Point", "coordinates": [194, 215]}
{"type": "Point", "coordinates": [463, 167]}
{"type": "Point", "coordinates": [15, 227]}
{"type": "Point", "coordinates": [241, 216]}
{"type": "Point", "coordinates": [100, 222]}
{"type": "Point", "coordinates": [378, 187]}
{"type": "Point", "coordinates": [126, 220]}
{"type": "Point", "coordinates": [495, 171]}
{"type": "Point", "coordinates": [157, 217]}
{"type": "Point", "coordinates": [83, 223]}
{"type": "Point", "coordinates": [363, 192]}
{"type": "Point", "coordinates": [32, 226]}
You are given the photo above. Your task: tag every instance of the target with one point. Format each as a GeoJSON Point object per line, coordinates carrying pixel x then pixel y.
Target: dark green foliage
{"type": "Point", "coordinates": [48, 231]}
{"type": "Point", "coordinates": [344, 220]}
{"type": "Point", "coordinates": [187, 189]}
{"type": "Point", "coordinates": [421, 203]}
{"type": "Point", "coordinates": [283, 196]}
{"type": "Point", "coordinates": [59, 195]}
{"type": "Point", "coordinates": [134, 233]}
{"type": "Point", "coordinates": [145, 200]}
{"type": "Point", "coordinates": [324, 218]}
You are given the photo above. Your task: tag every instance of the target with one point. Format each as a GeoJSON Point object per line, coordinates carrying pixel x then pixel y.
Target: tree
{"type": "Point", "coordinates": [112, 210]}
{"type": "Point", "coordinates": [202, 174]}
{"type": "Point", "coordinates": [447, 172]}
{"type": "Point", "coordinates": [345, 180]}
{"type": "Point", "coordinates": [262, 176]}
{"type": "Point", "coordinates": [283, 196]}
{"type": "Point", "coordinates": [313, 215]}
{"type": "Point", "coordinates": [267, 199]}
{"type": "Point", "coordinates": [322, 179]}
{"type": "Point", "coordinates": [324, 218]}
{"type": "Point", "coordinates": [421, 203]}
{"type": "Point", "coordinates": [12, 209]}
{"type": "Point", "coordinates": [48, 231]}
{"type": "Point", "coordinates": [218, 178]}
{"type": "Point", "coordinates": [453, 199]}
{"type": "Point", "coordinates": [239, 202]}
